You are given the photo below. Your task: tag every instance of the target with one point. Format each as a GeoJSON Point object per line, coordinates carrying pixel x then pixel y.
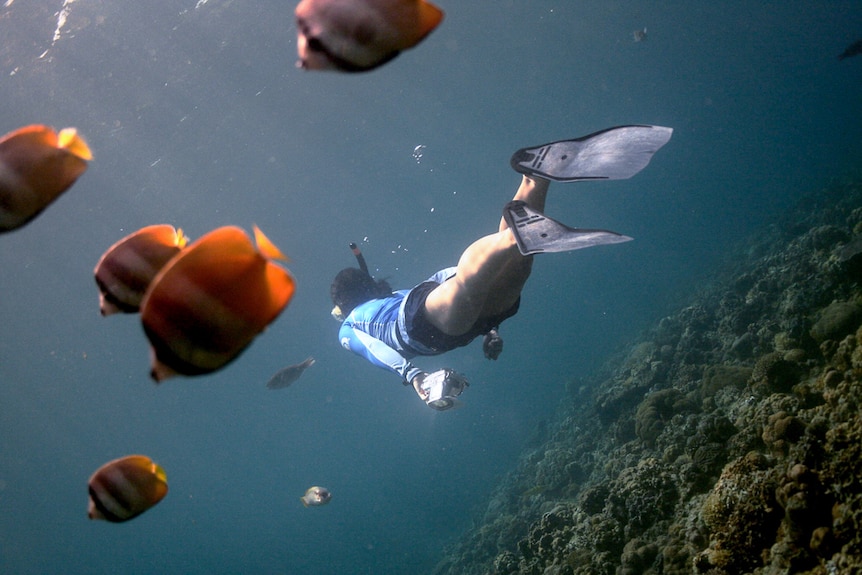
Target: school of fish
{"type": "Point", "coordinates": [203, 302]}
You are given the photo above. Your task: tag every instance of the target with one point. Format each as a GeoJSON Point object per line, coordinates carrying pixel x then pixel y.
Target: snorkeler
{"type": "Point", "coordinates": [458, 304]}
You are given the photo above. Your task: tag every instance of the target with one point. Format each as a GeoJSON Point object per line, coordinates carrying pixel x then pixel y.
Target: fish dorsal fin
{"type": "Point", "coordinates": [68, 139]}
{"type": "Point", "coordinates": [180, 239]}
{"type": "Point", "coordinates": [266, 247]}
{"type": "Point", "coordinates": [430, 17]}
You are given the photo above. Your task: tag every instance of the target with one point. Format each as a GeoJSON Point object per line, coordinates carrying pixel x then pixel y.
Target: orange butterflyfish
{"type": "Point", "coordinates": [360, 35]}
{"type": "Point", "coordinates": [126, 269]}
{"type": "Point", "coordinates": [124, 488]}
{"type": "Point", "coordinates": [211, 300]}
{"type": "Point", "coordinates": [36, 166]}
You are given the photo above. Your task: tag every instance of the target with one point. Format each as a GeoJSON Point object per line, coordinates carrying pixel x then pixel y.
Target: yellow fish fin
{"type": "Point", "coordinates": [69, 139]}
{"type": "Point", "coordinates": [266, 247]}
{"type": "Point", "coordinates": [159, 472]}
{"type": "Point", "coordinates": [181, 239]}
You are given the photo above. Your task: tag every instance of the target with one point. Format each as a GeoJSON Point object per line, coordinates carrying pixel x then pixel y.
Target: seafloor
{"type": "Point", "coordinates": [727, 440]}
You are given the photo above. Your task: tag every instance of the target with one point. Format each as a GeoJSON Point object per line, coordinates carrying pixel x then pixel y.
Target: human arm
{"type": "Point", "coordinates": [492, 344]}
{"type": "Point", "coordinates": [376, 352]}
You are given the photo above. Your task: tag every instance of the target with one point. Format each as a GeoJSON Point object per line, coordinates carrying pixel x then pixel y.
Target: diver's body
{"type": "Point", "coordinates": [458, 304]}
{"type": "Point", "coordinates": [376, 331]}
{"type": "Point", "coordinates": [390, 331]}
{"type": "Point", "coordinates": [449, 309]}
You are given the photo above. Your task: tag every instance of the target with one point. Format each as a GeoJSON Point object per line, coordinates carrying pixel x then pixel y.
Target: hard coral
{"type": "Point", "coordinates": [738, 375]}
{"type": "Point", "coordinates": [836, 320]}
{"type": "Point", "coordinates": [656, 410]}
{"type": "Point", "coordinates": [741, 514]}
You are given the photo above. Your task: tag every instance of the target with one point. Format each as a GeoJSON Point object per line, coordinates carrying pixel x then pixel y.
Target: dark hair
{"type": "Point", "coordinates": [352, 286]}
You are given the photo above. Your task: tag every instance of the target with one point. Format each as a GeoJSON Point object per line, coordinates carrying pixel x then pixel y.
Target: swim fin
{"type": "Point", "coordinates": [537, 233]}
{"type": "Point", "coordinates": [612, 154]}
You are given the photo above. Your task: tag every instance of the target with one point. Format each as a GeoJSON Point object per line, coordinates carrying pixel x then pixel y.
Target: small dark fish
{"type": "Point", "coordinates": [853, 49]}
{"type": "Point", "coordinates": [284, 377]}
{"type": "Point", "coordinates": [316, 496]}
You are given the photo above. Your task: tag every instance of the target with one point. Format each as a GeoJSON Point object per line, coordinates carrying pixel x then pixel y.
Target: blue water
{"type": "Point", "coordinates": [197, 117]}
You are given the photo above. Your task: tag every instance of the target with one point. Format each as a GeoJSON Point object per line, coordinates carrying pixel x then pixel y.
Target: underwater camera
{"type": "Point", "coordinates": [443, 387]}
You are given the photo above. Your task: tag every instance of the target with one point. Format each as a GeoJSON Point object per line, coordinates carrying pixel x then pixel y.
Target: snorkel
{"type": "Point", "coordinates": [337, 312]}
{"type": "Point", "coordinates": [360, 259]}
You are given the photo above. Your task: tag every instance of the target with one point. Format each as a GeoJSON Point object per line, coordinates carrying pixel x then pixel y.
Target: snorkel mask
{"type": "Point", "coordinates": [337, 313]}
{"type": "Point", "coordinates": [443, 387]}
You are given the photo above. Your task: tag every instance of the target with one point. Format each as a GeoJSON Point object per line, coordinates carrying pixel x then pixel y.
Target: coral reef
{"type": "Point", "coordinates": [727, 440]}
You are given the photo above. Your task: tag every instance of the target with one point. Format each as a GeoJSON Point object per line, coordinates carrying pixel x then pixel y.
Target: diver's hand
{"type": "Point", "coordinates": [492, 345]}
{"type": "Point", "coordinates": [417, 385]}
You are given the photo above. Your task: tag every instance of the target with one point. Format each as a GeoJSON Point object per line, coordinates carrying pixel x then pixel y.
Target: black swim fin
{"type": "Point", "coordinates": [537, 233]}
{"type": "Point", "coordinates": [613, 154]}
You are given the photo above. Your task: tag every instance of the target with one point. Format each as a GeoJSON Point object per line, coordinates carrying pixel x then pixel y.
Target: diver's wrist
{"type": "Point", "coordinates": [412, 374]}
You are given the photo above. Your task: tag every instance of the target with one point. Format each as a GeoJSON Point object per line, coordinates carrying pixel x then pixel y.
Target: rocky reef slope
{"type": "Point", "coordinates": [728, 440]}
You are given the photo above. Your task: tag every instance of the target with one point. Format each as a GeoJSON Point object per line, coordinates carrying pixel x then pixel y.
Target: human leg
{"type": "Point", "coordinates": [491, 273]}
{"type": "Point", "coordinates": [455, 305]}
{"type": "Point", "coordinates": [493, 270]}
{"type": "Point", "coordinates": [533, 191]}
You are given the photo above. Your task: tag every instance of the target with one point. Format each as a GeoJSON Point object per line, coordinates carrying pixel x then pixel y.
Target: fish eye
{"type": "Point", "coordinates": [315, 45]}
